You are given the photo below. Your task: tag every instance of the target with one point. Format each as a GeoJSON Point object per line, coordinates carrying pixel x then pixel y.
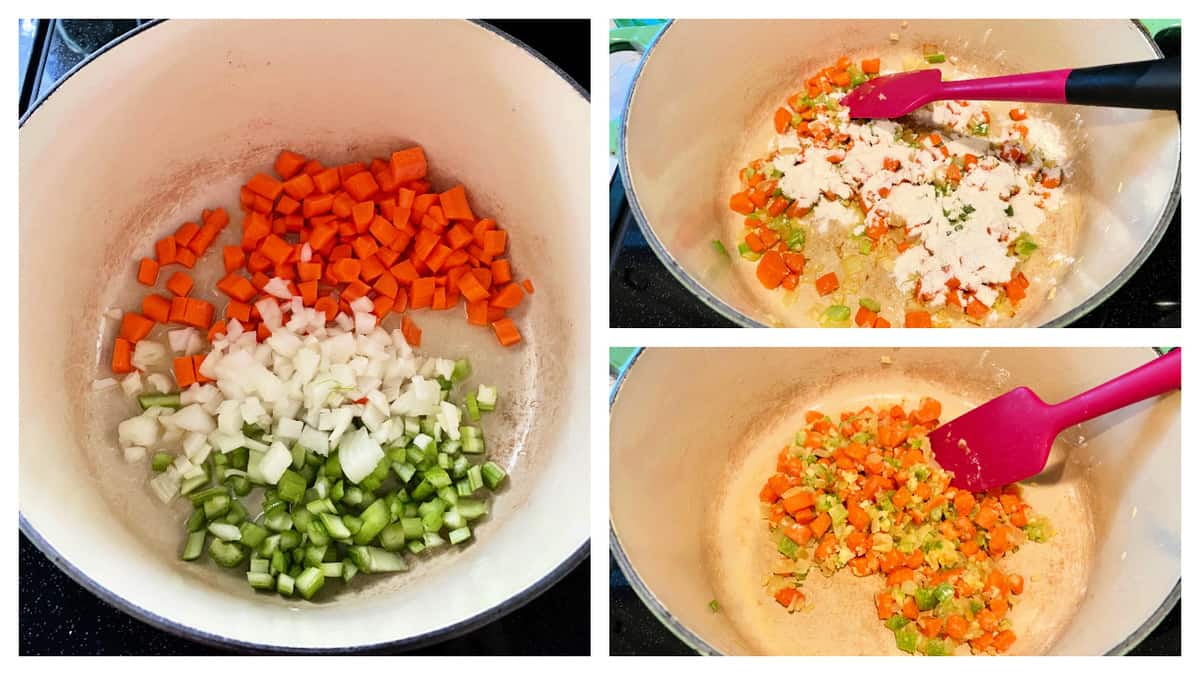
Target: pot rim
{"type": "Point", "coordinates": [700, 646]}
{"type": "Point", "coordinates": [483, 617]}
{"type": "Point", "coordinates": [718, 305]}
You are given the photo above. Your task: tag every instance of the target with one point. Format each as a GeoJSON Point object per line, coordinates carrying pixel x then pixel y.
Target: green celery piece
{"type": "Point", "coordinates": [935, 58]}
{"type": "Point", "coordinates": [472, 407]}
{"type": "Point", "coordinates": [335, 527]}
{"type": "Point", "coordinates": [352, 523]}
{"type": "Point", "coordinates": [472, 509]}
{"type": "Point", "coordinates": [935, 647]}
{"type": "Point", "coordinates": [895, 622]}
{"type": "Point", "coordinates": [438, 478]}
{"type": "Point", "coordinates": [870, 304]}
{"type": "Point", "coordinates": [493, 475]}
{"type": "Point", "coordinates": [237, 513]}
{"type": "Point", "coordinates": [161, 461]}
{"type": "Point", "coordinates": [412, 528]}
{"type": "Point", "coordinates": [197, 521]}
{"type": "Point", "coordinates": [226, 553]}
{"type": "Point", "coordinates": [277, 519]}
{"type": "Point", "coordinates": [459, 535]}
{"type": "Point", "coordinates": [462, 370]}
{"type": "Point", "coordinates": [285, 585]}
{"type": "Point", "coordinates": [788, 547]}
{"type": "Point", "coordinates": [392, 537]}
{"type": "Point", "coordinates": [299, 454]}
{"type": "Point", "coordinates": [310, 581]}
{"type": "Point", "coordinates": [906, 639]}
{"type": "Point", "coordinates": [416, 546]}
{"type": "Point", "coordinates": [240, 485]}
{"type": "Point", "coordinates": [719, 248]}
{"type": "Point", "coordinates": [289, 540]}
{"type": "Point", "coordinates": [925, 599]}
{"type": "Point", "coordinates": [317, 535]}
{"type": "Point", "coordinates": [252, 535]}
{"type": "Point", "coordinates": [216, 506]}
{"type": "Point", "coordinates": [943, 592]}
{"type": "Point", "coordinates": [278, 562]}
{"type": "Point", "coordinates": [194, 546]}
{"type": "Point", "coordinates": [262, 581]}
{"type": "Point", "coordinates": [423, 491]}
{"type": "Point", "coordinates": [375, 517]}
{"type": "Point", "coordinates": [314, 555]}
{"type": "Point", "coordinates": [147, 401]}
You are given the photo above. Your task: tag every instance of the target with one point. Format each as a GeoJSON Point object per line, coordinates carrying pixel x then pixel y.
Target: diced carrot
{"type": "Point", "coordinates": [180, 283]}
{"type": "Point", "coordinates": [185, 233]}
{"type": "Point", "coordinates": [266, 186]}
{"type": "Point", "coordinates": [134, 326]}
{"type": "Point", "coordinates": [494, 242]}
{"type": "Point", "coordinates": [156, 307]}
{"type": "Point", "coordinates": [148, 271]}
{"type": "Point", "coordinates": [771, 269]}
{"type": "Point", "coordinates": [288, 164]}
{"type": "Point", "coordinates": [870, 66]}
{"type": "Point", "coordinates": [315, 205]}
{"type": "Point", "coordinates": [409, 164]}
{"type": "Point", "coordinates": [976, 309]}
{"type": "Point", "coordinates": [422, 292]}
{"type": "Point", "coordinates": [237, 310]}
{"type": "Point", "coordinates": [185, 371]}
{"type": "Point", "coordinates": [410, 331]}
{"type": "Point", "coordinates": [185, 257]}
{"type": "Point", "coordinates": [508, 297]}
{"type": "Point", "coordinates": [165, 249]}
{"type": "Point", "coordinates": [527, 284]}
{"type": "Point", "coordinates": [361, 186]}
{"type": "Point", "coordinates": [506, 332]}
{"type": "Point", "coordinates": [299, 187]}
{"type": "Point", "coordinates": [918, 319]}
{"type": "Point", "coordinates": [122, 358]}
{"type": "Point", "coordinates": [234, 257]}
{"type": "Point", "coordinates": [827, 283]}
{"type": "Point", "coordinates": [198, 313]}
{"type": "Point", "coordinates": [365, 246]}
{"type": "Point", "coordinates": [237, 287]}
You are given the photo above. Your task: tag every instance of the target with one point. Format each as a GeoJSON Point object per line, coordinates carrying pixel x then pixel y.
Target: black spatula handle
{"type": "Point", "coordinates": [1153, 85]}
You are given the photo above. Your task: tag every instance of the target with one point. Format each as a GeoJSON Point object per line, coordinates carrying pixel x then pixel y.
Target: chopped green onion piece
{"type": "Point", "coordinates": [713, 606]}
{"type": "Point", "coordinates": [935, 58]}
{"type": "Point", "coordinates": [719, 247]}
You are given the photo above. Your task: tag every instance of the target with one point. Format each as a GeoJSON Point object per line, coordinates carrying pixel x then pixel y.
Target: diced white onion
{"type": "Point", "coordinates": [141, 430]}
{"type": "Point", "coordinates": [135, 453]}
{"type": "Point", "coordinates": [131, 384]}
{"type": "Point", "coordinates": [359, 454]}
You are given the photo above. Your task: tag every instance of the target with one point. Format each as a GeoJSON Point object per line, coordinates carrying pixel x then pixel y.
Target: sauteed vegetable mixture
{"type": "Point", "coordinates": [312, 442]}
{"type": "Point", "coordinates": [863, 492]}
{"type": "Point", "coordinates": [928, 220]}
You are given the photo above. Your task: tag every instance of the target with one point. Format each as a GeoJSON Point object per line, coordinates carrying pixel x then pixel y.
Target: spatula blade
{"type": "Point", "coordinates": [1002, 441]}
{"type": "Point", "coordinates": [889, 96]}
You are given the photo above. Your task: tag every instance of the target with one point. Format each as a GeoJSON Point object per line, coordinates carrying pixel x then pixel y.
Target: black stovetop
{"type": "Point", "coordinates": [60, 617]}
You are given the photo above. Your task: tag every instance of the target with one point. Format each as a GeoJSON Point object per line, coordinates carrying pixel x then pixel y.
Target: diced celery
{"type": "Point", "coordinates": [194, 546]}
{"type": "Point", "coordinates": [161, 461]}
{"type": "Point", "coordinates": [459, 535]}
{"type": "Point", "coordinates": [226, 553]}
{"type": "Point", "coordinates": [493, 475]}
{"type": "Point", "coordinates": [310, 581]}
{"type": "Point", "coordinates": [285, 585]}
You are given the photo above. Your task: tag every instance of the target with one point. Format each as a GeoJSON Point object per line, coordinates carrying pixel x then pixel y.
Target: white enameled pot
{"type": "Point", "coordinates": [171, 120]}
{"type": "Point", "coordinates": [699, 105]}
{"type": "Point", "coordinates": [681, 418]}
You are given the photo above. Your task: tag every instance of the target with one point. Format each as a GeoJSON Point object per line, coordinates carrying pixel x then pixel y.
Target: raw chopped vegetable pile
{"type": "Point", "coordinates": [864, 493]}
{"type": "Point", "coordinates": [311, 441]}
{"type": "Point", "coordinates": [946, 202]}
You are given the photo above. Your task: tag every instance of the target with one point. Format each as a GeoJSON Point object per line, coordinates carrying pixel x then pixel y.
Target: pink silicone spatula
{"type": "Point", "coordinates": [1008, 438]}
{"type": "Point", "coordinates": [1145, 84]}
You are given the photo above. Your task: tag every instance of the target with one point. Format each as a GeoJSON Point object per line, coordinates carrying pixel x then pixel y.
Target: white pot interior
{"type": "Point", "coordinates": [203, 106]}
{"type": "Point", "coordinates": [701, 105]}
{"type": "Point", "coordinates": [1125, 465]}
